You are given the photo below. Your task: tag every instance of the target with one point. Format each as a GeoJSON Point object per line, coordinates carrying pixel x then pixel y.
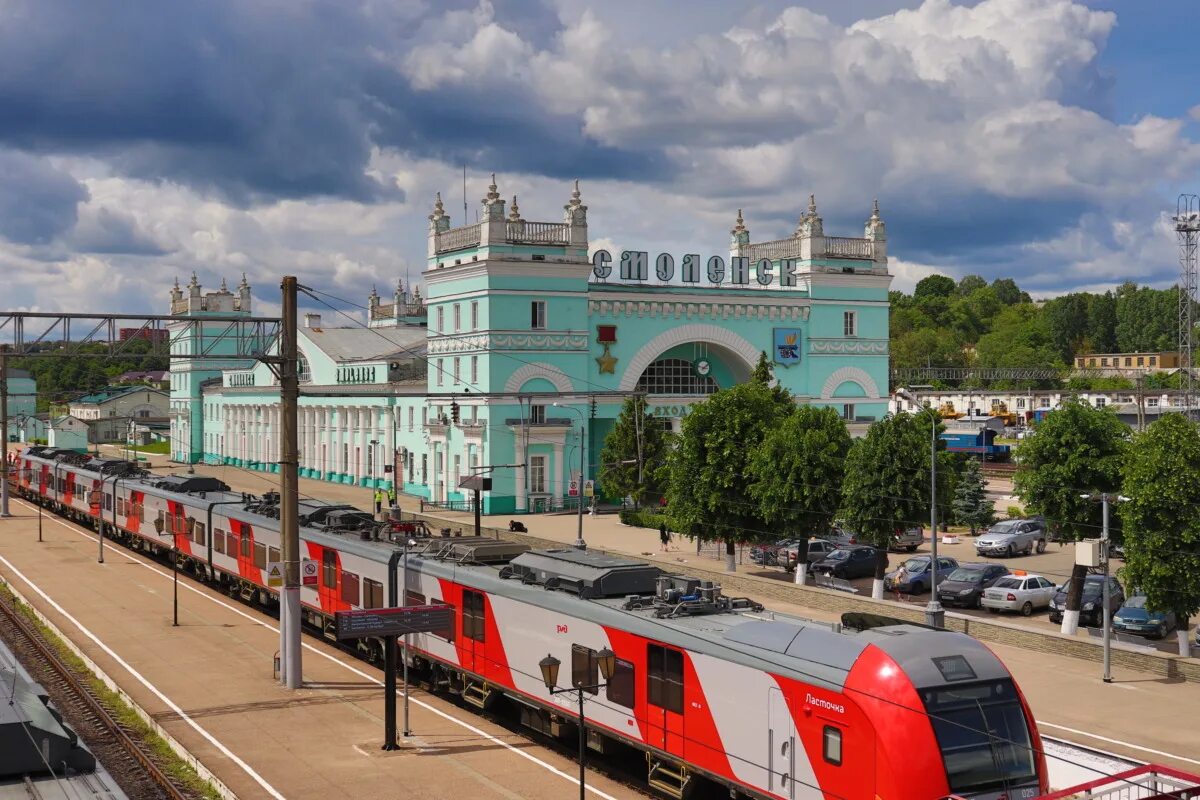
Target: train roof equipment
{"type": "Point", "coordinates": [586, 573]}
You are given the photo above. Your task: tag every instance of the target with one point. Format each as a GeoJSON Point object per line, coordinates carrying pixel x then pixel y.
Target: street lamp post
{"type": "Point", "coordinates": [1105, 499]}
{"type": "Point", "coordinates": [579, 542]}
{"type": "Point", "coordinates": [549, 665]}
{"type": "Point", "coordinates": [935, 615]}
{"type": "Point", "coordinates": [158, 527]}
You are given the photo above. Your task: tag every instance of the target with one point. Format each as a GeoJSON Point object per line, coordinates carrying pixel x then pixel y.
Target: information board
{"type": "Point", "coordinates": [393, 621]}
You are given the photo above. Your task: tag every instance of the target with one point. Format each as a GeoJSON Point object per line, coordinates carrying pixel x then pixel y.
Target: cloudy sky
{"type": "Point", "coordinates": [139, 140]}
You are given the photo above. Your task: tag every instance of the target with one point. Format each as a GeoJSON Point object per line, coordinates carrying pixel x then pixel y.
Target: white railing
{"type": "Point", "coordinates": [458, 238]}
{"type": "Point", "coordinates": [780, 248]}
{"type": "Point", "coordinates": [538, 232]}
{"type": "Point", "coordinates": [845, 247]}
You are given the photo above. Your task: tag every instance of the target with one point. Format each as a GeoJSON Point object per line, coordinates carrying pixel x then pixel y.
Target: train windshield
{"type": "Point", "coordinates": [983, 734]}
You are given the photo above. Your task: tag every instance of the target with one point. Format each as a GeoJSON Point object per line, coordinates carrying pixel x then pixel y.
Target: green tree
{"type": "Point", "coordinates": [1067, 318]}
{"type": "Point", "coordinates": [1009, 293]}
{"type": "Point", "coordinates": [633, 461]}
{"type": "Point", "coordinates": [796, 473]}
{"type": "Point", "coordinates": [934, 286]}
{"type": "Point", "coordinates": [927, 347]}
{"type": "Point", "coordinates": [886, 487]}
{"type": "Point", "coordinates": [1078, 450]}
{"type": "Point", "coordinates": [968, 284]}
{"type": "Point", "coordinates": [971, 506]}
{"type": "Point", "coordinates": [709, 465]}
{"type": "Point", "coordinates": [1102, 323]}
{"type": "Point", "coordinates": [1160, 520]}
{"type": "Point", "coordinates": [762, 370]}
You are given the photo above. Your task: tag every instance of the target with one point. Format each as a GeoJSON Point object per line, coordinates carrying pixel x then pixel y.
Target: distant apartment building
{"type": "Point", "coordinates": [149, 334]}
{"type": "Point", "coordinates": [1129, 362]}
{"type": "Point", "coordinates": [111, 412]}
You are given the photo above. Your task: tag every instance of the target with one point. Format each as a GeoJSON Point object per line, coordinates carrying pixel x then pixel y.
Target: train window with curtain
{"type": "Point", "coordinates": [121, 506]}
{"type": "Point", "coordinates": [218, 540]}
{"type": "Point", "coordinates": [108, 502]}
{"type": "Point", "coordinates": [231, 545]}
{"type": "Point", "coordinates": [831, 745]}
{"type": "Point", "coordinates": [412, 598]}
{"type": "Point", "coordinates": [198, 534]}
{"type": "Point", "coordinates": [329, 568]}
{"type": "Point", "coordinates": [273, 554]}
{"type": "Point", "coordinates": [585, 670]}
{"type": "Point", "coordinates": [620, 689]}
{"type": "Point", "coordinates": [372, 594]}
{"type": "Point", "coordinates": [247, 544]}
{"type": "Point", "coordinates": [350, 588]}
{"type": "Point", "coordinates": [260, 555]}
{"type": "Point", "coordinates": [664, 678]}
{"type": "Point", "coordinates": [474, 620]}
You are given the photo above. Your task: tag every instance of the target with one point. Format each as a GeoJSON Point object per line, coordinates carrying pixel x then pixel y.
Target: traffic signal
{"type": "Point", "coordinates": [454, 411]}
{"type": "Point", "coordinates": [593, 412]}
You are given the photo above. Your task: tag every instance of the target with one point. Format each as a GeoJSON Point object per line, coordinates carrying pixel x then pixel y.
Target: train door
{"type": "Point", "coordinates": [664, 698]}
{"type": "Point", "coordinates": [781, 746]}
{"type": "Point", "coordinates": [474, 622]}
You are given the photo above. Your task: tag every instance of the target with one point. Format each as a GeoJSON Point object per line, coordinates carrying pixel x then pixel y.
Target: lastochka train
{"type": "Point", "coordinates": [714, 690]}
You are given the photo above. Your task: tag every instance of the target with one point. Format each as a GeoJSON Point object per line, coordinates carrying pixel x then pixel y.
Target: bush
{"type": "Point", "coordinates": [1015, 512]}
{"type": "Point", "coordinates": [643, 519]}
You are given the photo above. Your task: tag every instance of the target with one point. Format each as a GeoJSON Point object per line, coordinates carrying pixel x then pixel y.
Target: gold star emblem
{"type": "Point", "coordinates": [607, 362]}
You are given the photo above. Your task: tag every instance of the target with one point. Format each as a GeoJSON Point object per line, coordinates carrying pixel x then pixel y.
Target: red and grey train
{"type": "Point", "coordinates": [714, 690]}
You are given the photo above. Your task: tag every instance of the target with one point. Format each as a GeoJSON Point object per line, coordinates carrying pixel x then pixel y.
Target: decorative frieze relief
{"type": "Point", "coordinates": [665, 310]}
{"type": "Point", "coordinates": [849, 347]}
{"type": "Point", "coordinates": [556, 340]}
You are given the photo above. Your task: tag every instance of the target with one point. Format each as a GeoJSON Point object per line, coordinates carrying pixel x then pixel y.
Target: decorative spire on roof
{"type": "Point", "coordinates": [224, 289]}
{"type": "Point", "coordinates": [740, 225]}
{"type": "Point", "coordinates": [176, 282]}
{"type": "Point", "coordinates": [493, 195]}
{"type": "Point", "coordinates": [244, 284]}
{"type": "Point", "coordinates": [374, 295]}
{"type": "Point", "coordinates": [876, 230]}
{"type": "Point", "coordinates": [194, 281]}
{"type": "Point", "coordinates": [576, 211]}
{"type": "Point", "coordinates": [812, 205]}
{"type": "Point", "coordinates": [810, 222]}
{"type": "Point", "coordinates": [439, 210]}
{"type": "Point", "coordinates": [514, 213]}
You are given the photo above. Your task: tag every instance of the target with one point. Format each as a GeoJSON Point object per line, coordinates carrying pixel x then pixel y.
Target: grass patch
{"type": "Point", "coordinates": [168, 761]}
{"type": "Point", "coordinates": [154, 448]}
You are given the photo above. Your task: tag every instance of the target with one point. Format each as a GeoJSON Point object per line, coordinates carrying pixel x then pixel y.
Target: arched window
{"type": "Point", "coordinates": [674, 376]}
{"type": "Point", "coordinates": [303, 374]}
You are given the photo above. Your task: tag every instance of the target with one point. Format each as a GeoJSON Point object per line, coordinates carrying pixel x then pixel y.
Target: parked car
{"type": "Point", "coordinates": [853, 561]}
{"type": "Point", "coordinates": [908, 540]}
{"type": "Point", "coordinates": [965, 585]}
{"type": "Point", "coordinates": [817, 550]}
{"type": "Point", "coordinates": [1135, 617]}
{"type": "Point", "coordinates": [1022, 593]}
{"type": "Point", "coordinates": [1012, 536]}
{"type": "Point", "coordinates": [840, 536]}
{"type": "Point", "coordinates": [915, 575]}
{"type": "Point", "coordinates": [767, 554]}
{"type": "Point", "coordinates": [1091, 608]}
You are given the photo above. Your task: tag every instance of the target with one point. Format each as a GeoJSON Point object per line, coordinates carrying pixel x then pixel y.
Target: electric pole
{"type": "Point", "coordinates": [289, 494]}
{"type": "Point", "coordinates": [4, 430]}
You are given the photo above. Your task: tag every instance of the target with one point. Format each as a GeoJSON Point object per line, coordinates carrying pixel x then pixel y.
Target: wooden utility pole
{"type": "Point", "coordinates": [289, 492]}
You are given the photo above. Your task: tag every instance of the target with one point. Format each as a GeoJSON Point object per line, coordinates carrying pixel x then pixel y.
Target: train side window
{"type": "Point", "coordinates": [831, 739]}
{"type": "Point", "coordinates": [247, 544]}
{"type": "Point", "coordinates": [474, 625]}
{"type": "Point", "coordinates": [231, 545]}
{"type": "Point", "coordinates": [447, 633]}
{"type": "Point", "coordinates": [218, 540]}
{"type": "Point", "coordinates": [163, 520]}
{"type": "Point", "coordinates": [329, 568]}
{"type": "Point", "coordinates": [121, 506]}
{"type": "Point", "coordinates": [412, 598]}
{"type": "Point", "coordinates": [273, 555]}
{"type": "Point", "coordinates": [372, 594]}
{"type": "Point", "coordinates": [664, 678]}
{"type": "Point", "coordinates": [260, 555]}
{"type": "Point", "coordinates": [621, 685]}
{"type": "Point", "coordinates": [108, 502]}
{"type": "Point", "coordinates": [350, 588]}
{"type": "Point", "coordinates": [585, 670]}
{"type": "Point", "coordinates": [198, 534]}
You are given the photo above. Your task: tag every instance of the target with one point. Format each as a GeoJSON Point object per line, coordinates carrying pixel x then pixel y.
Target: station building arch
{"type": "Point", "coordinates": [849, 382]}
{"type": "Point", "coordinates": [733, 358]}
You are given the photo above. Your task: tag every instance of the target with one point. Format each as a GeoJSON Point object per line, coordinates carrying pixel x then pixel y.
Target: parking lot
{"type": "Point", "coordinates": [1055, 564]}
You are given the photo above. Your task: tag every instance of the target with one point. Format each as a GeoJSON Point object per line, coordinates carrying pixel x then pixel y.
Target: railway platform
{"type": "Point", "coordinates": [209, 684]}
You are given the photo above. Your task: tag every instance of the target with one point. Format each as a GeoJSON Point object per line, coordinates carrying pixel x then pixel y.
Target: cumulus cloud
{"type": "Point", "coordinates": [139, 140]}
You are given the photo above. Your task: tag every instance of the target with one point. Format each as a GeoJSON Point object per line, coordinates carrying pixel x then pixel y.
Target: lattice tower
{"type": "Point", "coordinates": [1187, 230]}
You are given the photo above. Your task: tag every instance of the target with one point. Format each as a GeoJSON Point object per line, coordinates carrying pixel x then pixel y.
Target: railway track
{"type": "Point", "coordinates": [118, 747]}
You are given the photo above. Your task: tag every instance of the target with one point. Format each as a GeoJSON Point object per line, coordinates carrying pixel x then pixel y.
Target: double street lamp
{"type": "Point", "coordinates": [549, 665]}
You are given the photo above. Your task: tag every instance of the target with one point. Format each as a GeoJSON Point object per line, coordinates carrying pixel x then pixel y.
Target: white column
{"type": "Point", "coordinates": [559, 468]}
{"type": "Point", "coordinates": [519, 450]}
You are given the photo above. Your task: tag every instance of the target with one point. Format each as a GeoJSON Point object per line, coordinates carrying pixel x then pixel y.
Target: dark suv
{"type": "Point", "coordinates": [964, 586]}
{"type": "Point", "coordinates": [854, 561]}
{"type": "Point", "coordinates": [1091, 608]}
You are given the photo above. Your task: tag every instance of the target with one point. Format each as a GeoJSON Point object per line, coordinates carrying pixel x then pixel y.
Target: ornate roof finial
{"type": "Point", "coordinates": [176, 281]}
{"type": "Point", "coordinates": [244, 284]}
{"type": "Point", "coordinates": [374, 295]}
{"type": "Point", "coordinates": [812, 205]}
{"type": "Point", "coordinates": [740, 225]}
{"type": "Point", "coordinates": [223, 288]}
{"type": "Point", "coordinates": [514, 213]}
{"type": "Point", "coordinates": [575, 201]}
{"type": "Point", "coordinates": [439, 211]}
{"type": "Point", "coordinates": [875, 209]}
{"type": "Point", "coordinates": [492, 194]}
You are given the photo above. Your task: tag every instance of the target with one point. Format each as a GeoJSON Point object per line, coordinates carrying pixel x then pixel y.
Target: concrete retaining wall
{"type": "Point", "coordinates": [987, 630]}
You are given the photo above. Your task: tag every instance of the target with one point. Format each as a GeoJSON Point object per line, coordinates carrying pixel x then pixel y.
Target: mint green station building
{"type": "Point", "coordinates": [526, 343]}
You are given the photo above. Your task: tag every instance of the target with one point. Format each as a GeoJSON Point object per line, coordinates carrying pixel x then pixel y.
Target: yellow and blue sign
{"type": "Point", "coordinates": [787, 346]}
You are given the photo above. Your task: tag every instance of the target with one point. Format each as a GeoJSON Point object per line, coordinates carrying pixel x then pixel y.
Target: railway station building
{"type": "Point", "coordinates": [527, 342]}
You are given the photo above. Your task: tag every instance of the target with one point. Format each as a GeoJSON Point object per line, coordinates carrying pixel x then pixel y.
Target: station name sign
{"type": "Point", "coordinates": [634, 267]}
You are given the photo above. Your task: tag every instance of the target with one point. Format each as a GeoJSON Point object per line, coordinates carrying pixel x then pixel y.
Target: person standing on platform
{"type": "Point", "coordinates": [391, 497]}
{"type": "Point", "coordinates": [378, 501]}
{"type": "Point", "coordinates": [664, 536]}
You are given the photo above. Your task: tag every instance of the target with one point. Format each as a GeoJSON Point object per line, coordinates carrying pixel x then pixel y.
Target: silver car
{"type": "Point", "coordinates": [1022, 593]}
{"type": "Point", "coordinates": [1012, 536]}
